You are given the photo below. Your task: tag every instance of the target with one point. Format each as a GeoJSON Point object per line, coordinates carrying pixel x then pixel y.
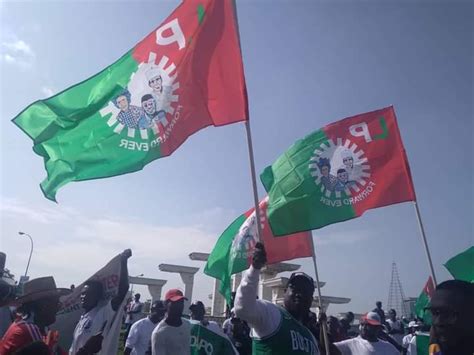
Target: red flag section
{"type": "Point", "coordinates": [199, 40]}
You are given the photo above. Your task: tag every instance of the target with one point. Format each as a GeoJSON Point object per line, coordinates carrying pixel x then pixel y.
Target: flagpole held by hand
{"type": "Point", "coordinates": [323, 324]}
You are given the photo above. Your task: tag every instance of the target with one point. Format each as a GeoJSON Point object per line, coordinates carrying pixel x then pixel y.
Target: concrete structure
{"type": "Point", "coordinates": [155, 286]}
{"type": "Point", "coordinates": [187, 276]}
{"type": "Point", "coordinates": [217, 300]}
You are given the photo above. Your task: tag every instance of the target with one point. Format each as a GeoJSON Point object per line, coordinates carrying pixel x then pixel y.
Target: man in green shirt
{"type": "Point", "coordinates": [276, 330]}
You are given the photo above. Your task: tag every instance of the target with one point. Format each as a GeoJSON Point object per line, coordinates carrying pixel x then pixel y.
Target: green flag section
{"type": "Point", "coordinates": [423, 301]}
{"type": "Point", "coordinates": [184, 76]}
{"type": "Point", "coordinates": [206, 342]}
{"type": "Point", "coordinates": [337, 173]}
{"type": "Point", "coordinates": [232, 252]}
{"type": "Point", "coordinates": [422, 344]}
{"type": "Point", "coordinates": [461, 266]}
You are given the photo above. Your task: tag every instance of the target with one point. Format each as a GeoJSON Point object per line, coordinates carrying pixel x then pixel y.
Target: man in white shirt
{"type": "Point", "coordinates": [134, 310]}
{"type": "Point", "coordinates": [99, 316]}
{"type": "Point", "coordinates": [276, 330]}
{"type": "Point", "coordinates": [412, 328]}
{"type": "Point", "coordinates": [139, 339]}
{"type": "Point", "coordinates": [198, 312]}
{"type": "Point", "coordinates": [367, 343]}
{"type": "Point", "coordinates": [396, 329]}
{"type": "Point", "coordinates": [172, 336]}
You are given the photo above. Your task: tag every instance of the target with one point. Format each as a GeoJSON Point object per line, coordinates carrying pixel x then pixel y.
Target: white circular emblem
{"type": "Point", "coordinates": [338, 167]}
{"type": "Point", "coordinates": [147, 105]}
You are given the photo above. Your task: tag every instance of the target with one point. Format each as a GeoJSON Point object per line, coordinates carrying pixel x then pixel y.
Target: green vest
{"type": "Point", "coordinates": [291, 337]}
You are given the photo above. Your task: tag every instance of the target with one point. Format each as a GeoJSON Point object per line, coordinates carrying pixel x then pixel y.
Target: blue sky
{"type": "Point", "coordinates": [307, 63]}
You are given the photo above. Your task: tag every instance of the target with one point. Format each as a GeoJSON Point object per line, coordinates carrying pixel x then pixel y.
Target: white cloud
{"type": "Point", "coordinates": [17, 52]}
{"type": "Point", "coordinates": [71, 246]}
{"type": "Point", "coordinates": [342, 238]}
{"type": "Point", "coordinates": [47, 91]}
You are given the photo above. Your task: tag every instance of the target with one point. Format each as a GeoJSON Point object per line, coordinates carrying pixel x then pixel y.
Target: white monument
{"type": "Point", "coordinates": [154, 285]}
{"type": "Point", "coordinates": [187, 276]}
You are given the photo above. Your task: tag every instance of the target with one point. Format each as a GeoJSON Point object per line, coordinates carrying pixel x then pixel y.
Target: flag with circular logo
{"type": "Point", "coordinates": [184, 76]}
{"type": "Point", "coordinates": [337, 173]}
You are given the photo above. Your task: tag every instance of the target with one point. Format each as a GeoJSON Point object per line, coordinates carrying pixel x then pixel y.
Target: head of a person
{"type": "Point", "coordinates": [348, 161]}
{"type": "Point", "coordinates": [174, 300]}
{"type": "Point", "coordinates": [378, 304]}
{"type": "Point", "coordinates": [92, 293]}
{"type": "Point", "coordinates": [122, 101]}
{"type": "Point", "coordinates": [157, 311]}
{"type": "Point", "coordinates": [197, 310]}
{"type": "Point", "coordinates": [137, 297]}
{"type": "Point", "coordinates": [299, 294]}
{"type": "Point", "coordinates": [40, 300]}
{"type": "Point", "coordinates": [413, 327]}
{"type": "Point", "coordinates": [370, 326]}
{"type": "Point", "coordinates": [342, 175]}
{"type": "Point", "coordinates": [452, 310]}
{"type": "Point", "coordinates": [392, 314]}
{"type": "Point", "coordinates": [324, 166]}
{"type": "Point", "coordinates": [148, 104]}
{"type": "Point", "coordinates": [156, 83]}
{"type": "Point", "coordinates": [43, 311]}
{"type": "Point", "coordinates": [349, 317]}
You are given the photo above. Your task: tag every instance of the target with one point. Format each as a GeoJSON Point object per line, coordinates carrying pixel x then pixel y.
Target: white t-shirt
{"type": "Point", "coordinates": [396, 325]}
{"type": "Point", "coordinates": [360, 346]}
{"type": "Point", "coordinates": [90, 324]}
{"type": "Point", "coordinates": [406, 340]}
{"type": "Point", "coordinates": [168, 340]}
{"type": "Point", "coordinates": [139, 338]}
{"type": "Point", "coordinates": [133, 307]}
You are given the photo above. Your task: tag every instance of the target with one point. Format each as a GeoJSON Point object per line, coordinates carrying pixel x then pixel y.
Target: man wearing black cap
{"type": "Point", "coordinates": [198, 312]}
{"type": "Point", "coordinates": [276, 330]}
{"type": "Point", "coordinates": [172, 336]}
{"type": "Point", "coordinates": [139, 337]}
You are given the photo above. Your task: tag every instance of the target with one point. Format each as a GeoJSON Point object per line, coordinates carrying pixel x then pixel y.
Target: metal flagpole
{"type": "Point", "coordinates": [425, 242]}
{"type": "Point", "coordinates": [254, 180]}
{"type": "Point", "coordinates": [324, 324]}
{"type": "Point", "coordinates": [250, 145]}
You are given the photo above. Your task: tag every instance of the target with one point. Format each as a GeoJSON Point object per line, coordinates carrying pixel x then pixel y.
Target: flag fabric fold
{"type": "Point", "coordinates": [423, 301]}
{"type": "Point", "coordinates": [184, 76]}
{"type": "Point", "coordinates": [233, 250]}
{"type": "Point", "coordinates": [461, 266]}
{"type": "Point", "coordinates": [337, 173]}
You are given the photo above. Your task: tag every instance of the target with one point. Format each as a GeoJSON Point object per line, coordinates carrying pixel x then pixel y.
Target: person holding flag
{"type": "Point", "coordinates": [275, 329]}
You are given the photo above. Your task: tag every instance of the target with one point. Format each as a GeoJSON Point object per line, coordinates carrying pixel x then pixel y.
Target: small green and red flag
{"type": "Point", "coordinates": [233, 250]}
{"type": "Point", "coordinates": [423, 301]}
{"type": "Point", "coordinates": [184, 76]}
{"type": "Point", "coordinates": [337, 173]}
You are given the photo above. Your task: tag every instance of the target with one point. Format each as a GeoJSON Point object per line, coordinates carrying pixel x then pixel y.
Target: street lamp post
{"type": "Point", "coordinates": [31, 251]}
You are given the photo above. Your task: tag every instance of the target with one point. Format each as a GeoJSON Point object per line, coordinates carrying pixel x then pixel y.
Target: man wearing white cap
{"type": "Point", "coordinates": [412, 328]}
{"type": "Point", "coordinates": [367, 343]}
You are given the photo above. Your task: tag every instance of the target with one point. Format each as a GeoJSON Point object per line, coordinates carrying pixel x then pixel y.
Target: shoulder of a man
{"type": "Point", "coordinates": [18, 335]}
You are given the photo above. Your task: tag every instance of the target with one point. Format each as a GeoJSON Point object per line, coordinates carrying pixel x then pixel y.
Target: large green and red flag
{"type": "Point", "coordinates": [423, 301]}
{"type": "Point", "coordinates": [337, 173]}
{"type": "Point", "coordinates": [232, 252]}
{"type": "Point", "coordinates": [184, 76]}
{"type": "Point", "coordinates": [461, 266]}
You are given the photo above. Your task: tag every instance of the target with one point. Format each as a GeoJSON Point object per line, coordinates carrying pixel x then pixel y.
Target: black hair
{"type": "Point", "coordinates": [146, 97]}
{"type": "Point", "coordinates": [341, 171]}
{"type": "Point", "coordinates": [97, 286]}
{"type": "Point", "coordinates": [463, 288]}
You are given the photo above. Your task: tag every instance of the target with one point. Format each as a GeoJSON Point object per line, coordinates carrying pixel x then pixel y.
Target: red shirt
{"type": "Point", "coordinates": [18, 335]}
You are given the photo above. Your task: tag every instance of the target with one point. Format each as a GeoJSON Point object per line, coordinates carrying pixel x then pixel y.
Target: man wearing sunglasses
{"type": "Point", "coordinates": [452, 311]}
{"type": "Point", "coordinates": [276, 330]}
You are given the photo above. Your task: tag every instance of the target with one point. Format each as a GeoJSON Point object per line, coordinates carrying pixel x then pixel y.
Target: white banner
{"type": "Point", "coordinates": [71, 309]}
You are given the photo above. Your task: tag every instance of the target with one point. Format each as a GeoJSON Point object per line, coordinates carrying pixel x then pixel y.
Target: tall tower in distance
{"type": "Point", "coordinates": [396, 296]}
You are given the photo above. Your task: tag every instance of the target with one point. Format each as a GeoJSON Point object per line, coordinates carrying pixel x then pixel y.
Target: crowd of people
{"type": "Point", "coordinates": [253, 326]}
